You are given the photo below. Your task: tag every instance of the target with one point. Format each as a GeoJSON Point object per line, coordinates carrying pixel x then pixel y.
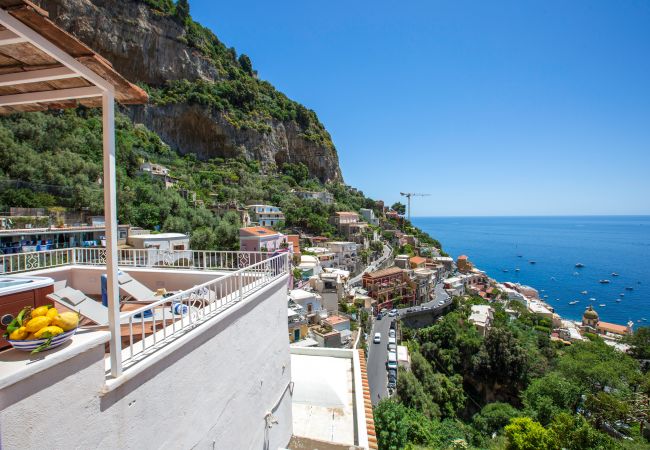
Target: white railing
{"type": "Point", "coordinates": [25, 262]}
{"type": "Point", "coordinates": [173, 259]}
{"type": "Point", "coordinates": [147, 329]}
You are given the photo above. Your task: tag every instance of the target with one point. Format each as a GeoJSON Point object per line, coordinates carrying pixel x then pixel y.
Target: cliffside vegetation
{"type": "Point", "coordinates": [55, 159]}
{"type": "Point", "coordinates": [512, 389]}
{"type": "Point", "coordinates": [246, 101]}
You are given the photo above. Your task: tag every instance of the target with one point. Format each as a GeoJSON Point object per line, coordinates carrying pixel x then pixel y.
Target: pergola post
{"type": "Point", "coordinates": [110, 218]}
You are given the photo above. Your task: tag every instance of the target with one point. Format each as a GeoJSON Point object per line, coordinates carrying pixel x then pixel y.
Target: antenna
{"type": "Point", "coordinates": [408, 195]}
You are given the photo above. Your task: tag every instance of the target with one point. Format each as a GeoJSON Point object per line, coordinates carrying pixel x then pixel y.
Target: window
{"type": "Point", "coordinates": [179, 247]}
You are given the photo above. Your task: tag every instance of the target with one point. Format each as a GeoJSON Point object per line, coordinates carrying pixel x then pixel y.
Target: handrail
{"type": "Point", "coordinates": [96, 256]}
{"type": "Point", "coordinates": [179, 313]}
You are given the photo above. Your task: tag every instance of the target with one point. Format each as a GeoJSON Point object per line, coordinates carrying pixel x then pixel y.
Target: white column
{"type": "Point", "coordinates": [110, 213]}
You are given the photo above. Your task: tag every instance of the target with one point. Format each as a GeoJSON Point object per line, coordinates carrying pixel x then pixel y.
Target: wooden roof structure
{"type": "Point", "coordinates": [44, 67]}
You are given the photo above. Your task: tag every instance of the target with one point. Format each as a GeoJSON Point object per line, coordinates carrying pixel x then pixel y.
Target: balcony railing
{"type": "Point", "coordinates": [171, 317]}
{"type": "Point", "coordinates": [172, 259]}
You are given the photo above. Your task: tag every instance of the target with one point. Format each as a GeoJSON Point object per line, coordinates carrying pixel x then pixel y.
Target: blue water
{"type": "Point", "coordinates": [604, 244]}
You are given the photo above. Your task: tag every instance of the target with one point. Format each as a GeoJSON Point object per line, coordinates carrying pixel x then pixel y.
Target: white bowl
{"type": "Point", "coordinates": [27, 345]}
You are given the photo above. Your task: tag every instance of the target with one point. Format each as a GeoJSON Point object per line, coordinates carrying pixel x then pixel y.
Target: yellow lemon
{"type": "Point", "coordinates": [19, 334]}
{"type": "Point", "coordinates": [40, 311]}
{"type": "Point", "coordinates": [66, 320]}
{"type": "Point", "coordinates": [47, 332]}
{"type": "Point", "coordinates": [37, 323]}
{"type": "Point", "coordinates": [52, 313]}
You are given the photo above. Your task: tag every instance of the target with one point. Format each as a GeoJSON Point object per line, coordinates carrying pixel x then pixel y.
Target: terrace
{"type": "Point", "coordinates": [207, 364]}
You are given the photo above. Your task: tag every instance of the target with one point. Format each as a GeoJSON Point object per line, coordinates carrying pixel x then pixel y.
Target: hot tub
{"type": "Point", "coordinates": [16, 292]}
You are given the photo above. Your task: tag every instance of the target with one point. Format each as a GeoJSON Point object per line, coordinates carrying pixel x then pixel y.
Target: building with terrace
{"type": "Point", "coordinates": [323, 196]}
{"type": "Point", "coordinates": [389, 286]}
{"type": "Point", "coordinates": [266, 215]}
{"type": "Point", "coordinates": [257, 239]}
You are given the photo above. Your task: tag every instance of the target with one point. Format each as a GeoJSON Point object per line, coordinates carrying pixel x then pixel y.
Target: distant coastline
{"type": "Point", "coordinates": [604, 244]}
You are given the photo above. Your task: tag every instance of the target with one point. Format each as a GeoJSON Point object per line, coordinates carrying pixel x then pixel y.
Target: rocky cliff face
{"type": "Point", "coordinates": [149, 47]}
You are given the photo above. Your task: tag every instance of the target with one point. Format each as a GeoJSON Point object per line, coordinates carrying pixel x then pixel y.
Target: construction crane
{"type": "Point", "coordinates": [408, 195]}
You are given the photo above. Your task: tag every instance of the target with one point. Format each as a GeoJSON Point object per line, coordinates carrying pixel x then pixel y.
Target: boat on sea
{"type": "Point", "coordinates": [629, 288]}
{"type": "Point", "coordinates": [579, 265]}
{"type": "Point", "coordinates": [505, 270]}
{"type": "Point", "coordinates": [574, 302]}
{"type": "Point", "coordinates": [517, 270]}
{"type": "Point", "coordinates": [602, 304]}
{"type": "Point", "coordinates": [614, 274]}
{"type": "Point", "coordinates": [644, 319]}
{"type": "Point", "coordinates": [520, 256]}
{"type": "Point", "coordinates": [546, 296]}
{"type": "Point", "coordinates": [621, 295]}
{"type": "Point", "coordinates": [618, 300]}
{"type": "Point", "coordinates": [584, 292]}
{"type": "Point", "coordinates": [532, 262]}
{"type": "Point", "coordinates": [592, 299]}
{"type": "Point", "coordinates": [604, 281]}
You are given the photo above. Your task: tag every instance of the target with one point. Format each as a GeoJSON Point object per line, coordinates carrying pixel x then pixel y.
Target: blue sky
{"type": "Point", "coordinates": [495, 108]}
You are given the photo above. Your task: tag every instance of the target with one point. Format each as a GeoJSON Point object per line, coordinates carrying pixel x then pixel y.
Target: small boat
{"type": "Point", "coordinates": [575, 274]}
{"type": "Point", "coordinates": [546, 296]}
{"type": "Point", "coordinates": [618, 300]}
{"type": "Point", "coordinates": [520, 256]}
{"type": "Point", "coordinates": [553, 278]}
{"type": "Point", "coordinates": [574, 302]}
{"type": "Point", "coordinates": [532, 262]}
{"type": "Point", "coordinates": [604, 281]}
{"type": "Point", "coordinates": [629, 288]}
{"type": "Point", "coordinates": [517, 270]}
{"type": "Point", "coordinates": [505, 270]}
{"type": "Point", "coordinates": [579, 265]}
{"type": "Point", "coordinates": [644, 319]}
{"type": "Point", "coordinates": [602, 304]}
{"type": "Point", "coordinates": [584, 292]}
{"type": "Point", "coordinates": [621, 295]}
{"type": "Point", "coordinates": [592, 299]}
{"type": "Point", "coordinates": [614, 274]}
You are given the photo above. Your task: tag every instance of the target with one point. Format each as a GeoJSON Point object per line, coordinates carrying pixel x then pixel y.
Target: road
{"type": "Point", "coordinates": [372, 266]}
{"type": "Point", "coordinates": [378, 353]}
{"type": "Point", "coordinates": [377, 356]}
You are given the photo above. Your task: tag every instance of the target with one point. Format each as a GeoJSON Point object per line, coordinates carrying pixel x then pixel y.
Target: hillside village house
{"type": "Point", "coordinates": [369, 215]}
{"type": "Point", "coordinates": [261, 239]}
{"type": "Point", "coordinates": [266, 215]}
{"type": "Point", "coordinates": [116, 384]}
{"type": "Point", "coordinates": [341, 219]}
{"type": "Point", "coordinates": [160, 172]}
{"type": "Point", "coordinates": [323, 196]}
{"type": "Point", "coordinates": [481, 317]}
{"type": "Point", "coordinates": [35, 237]}
{"type": "Point", "coordinates": [389, 285]}
{"type": "Point", "coordinates": [346, 256]}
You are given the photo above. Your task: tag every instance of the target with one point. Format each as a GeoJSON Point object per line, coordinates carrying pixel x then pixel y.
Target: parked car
{"type": "Point", "coordinates": [391, 333]}
{"type": "Point", "coordinates": [393, 325]}
{"type": "Point", "coordinates": [392, 384]}
{"type": "Point", "coordinates": [377, 338]}
{"type": "Point", "coordinates": [392, 373]}
{"type": "Point", "coordinates": [392, 313]}
{"type": "Point", "coordinates": [392, 340]}
{"type": "Point", "coordinates": [392, 347]}
{"type": "Point", "coordinates": [379, 316]}
{"type": "Point", "coordinates": [392, 360]}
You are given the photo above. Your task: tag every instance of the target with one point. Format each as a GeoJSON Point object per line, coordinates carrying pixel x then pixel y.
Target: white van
{"type": "Point", "coordinates": [392, 360]}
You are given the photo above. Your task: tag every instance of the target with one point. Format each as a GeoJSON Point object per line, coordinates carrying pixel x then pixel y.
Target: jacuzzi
{"type": "Point", "coordinates": [16, 292]}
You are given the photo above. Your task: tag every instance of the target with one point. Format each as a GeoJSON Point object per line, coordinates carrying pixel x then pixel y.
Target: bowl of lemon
{"type": "Point", "coordinates": [43, 328]}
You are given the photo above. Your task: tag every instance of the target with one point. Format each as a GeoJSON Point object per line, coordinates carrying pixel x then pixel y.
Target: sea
{"type": "Point", "coordinates": [603, 244]}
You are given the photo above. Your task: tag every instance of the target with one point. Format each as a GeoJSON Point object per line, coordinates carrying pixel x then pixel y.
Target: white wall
{"type": "Point", "coordinates": [213, 392]}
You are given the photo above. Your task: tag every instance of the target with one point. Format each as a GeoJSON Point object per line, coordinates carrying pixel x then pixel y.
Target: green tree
{"type": "Point", "coordinates": [523, 433]}
{"type": "Point", "coordinates": [573, 432]}
{"type": "Point", "coordinates": [548, 396]}
{"type": "Point", "coordinates": [246, 64]}
{"type": "Point", "coordinates": [493, 417]}
{"type": "Point", "coordinates": [413, 395]}
{"type": "Point", "coordinates": [639, 343]}
{"type": "Point", "coordinates": [203, 239]}
{"type": "Point", "coordinates": [183, 9]}
{"type": "Point", "coordinates": [399, 208]}
{"type": "Point", "coordinates": [446, 392]}
{"type": "Point", "coordinates": [391, 432]}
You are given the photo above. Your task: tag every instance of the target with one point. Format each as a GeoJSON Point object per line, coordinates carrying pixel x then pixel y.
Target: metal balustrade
{"type": "Point", "coordinates": [172, 259]}
{"type": "Point", "coordinates": [147, 329]}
